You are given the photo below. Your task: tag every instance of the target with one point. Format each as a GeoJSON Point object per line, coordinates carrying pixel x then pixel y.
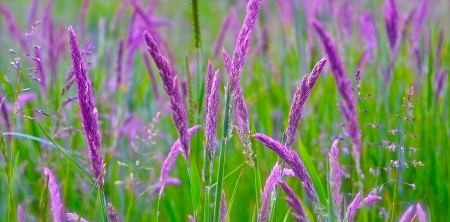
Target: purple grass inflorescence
{"type": "Point", "coordinates": [345, 89]}
{"type": "Point", "coordinates": [293, 201]}
{"type": "Point", "coordinates": [89, 114]}
{"type": "Point", "coordinates": [56, 205]}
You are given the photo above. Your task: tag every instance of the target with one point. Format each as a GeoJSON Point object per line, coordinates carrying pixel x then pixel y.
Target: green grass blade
{"type": "Point", "coordinates": [46, 142]}
{"type": "Point", "coordinates": [103, 206]}
{"type": "Point", "coordinates": [313, 174]}
{"type": "Point", "coordinates": [222, 158]}
{"type": "Point", "coordinates": [68, 156]}
{"type": "Point", "coordinates": [287, 215]}
{"type": "Point", "coordinates": [232, 197]}
{"type": "Point", "coordinates": [195, 183]}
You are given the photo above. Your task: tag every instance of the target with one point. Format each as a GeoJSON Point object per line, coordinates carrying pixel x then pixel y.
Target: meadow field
{"type": "Point", "coordinates": [227, 110]}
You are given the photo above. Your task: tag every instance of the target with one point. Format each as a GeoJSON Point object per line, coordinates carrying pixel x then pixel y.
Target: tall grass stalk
{"type": "Point", "coordinates": [220, 175]}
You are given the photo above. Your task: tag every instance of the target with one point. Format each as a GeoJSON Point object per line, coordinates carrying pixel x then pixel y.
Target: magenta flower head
{"type": "Point", "coordinates": [112, 213]}
{"type": "Point", "coordinates": [391, 22]}
{"type": "Point", "coordinates": [271, 182]}
{"type": "Point", "coordinates": [20, 214]}
{"type": "Point", "coordinates": [212, 110]}
{"type": "Point", "coordinates": [171, 157]}
{"type": "Point", "coordinates": [300, 96]}
{"type": "Point", "coordinates": [421, 214]}
{"type": "Point", "coordinates": [293, 201]}
{"type": "Point", "coordinates": [345, 89]}
{"type": "Point", "coordinates": [335, 178]}
{"type": "Point", "coordinates": [209, 77]}
{"type": "Point", "coordinates": [352, 207]}
{"type": "Point", "coordinates": [173, 90]}
{"type": "Point", "coordinates": [179, 117]}
{"type": "Point", "coordinates": [408, 214]}
{"type": "Point", "coordinates": [89, 114]}
{"type": "Point", "coordinates": [161, 62]}
{"type": "Point", "coordinates": [56, 205]}
{"type": "Point", "coordinates": [296, 164]}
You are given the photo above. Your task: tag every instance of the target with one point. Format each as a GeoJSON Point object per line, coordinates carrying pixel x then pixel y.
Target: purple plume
{"type": "Point", "coordinates": [243, 43]}
{"type": "Point", "coordinates": [226, 61]}
{"type": "Point", "coordinates": [112, 213]}
{"type": "Point", "coordinates": [179, 117]}
{"type": "Point", "coordinates": [344, 88]}
{"type": "Point", "coordinates": [391, 22]}
{"type": "Point", "coordinates": [293, 201]}
{"type": "Point", "coordinates": [271, 182]}
{"type": "Point", "coordinates": [352, 207]}
{"type": "Point", "coordinates": [223, 207]}
{"type": "Point", "coordinates": [296, 164]}
{"type": "Point", "coordinates": [357, 203]}
{"type": "Point", "coordinates": [119, 62]}
{"type": "Point", "coordinates": [421, 214]}
{"type": "Point", "coordinates": [300, 96]}
{"type": "Point", "coordinates": [171, 157]}
{"type": "Point", "coordinates": [20, 214]}
{"type": "Point", "coordinates": [335, 178]}
{"type": "Point", "coordinates": [209, 77]}
{"type": "Point", "coordinates": [408, 214]}
{"type": "Point", "coordinates": [161, 62]}
{"type": "Point", "coordinates": [89, 113]}
{"type": "Point", "coordinates": [156, 188]}
{"type": "Point", "coordinates": [370, 199]}
{"type": "Point", "coordinates": [73, 217]}
{"type": "Point", "coordinates": [56, 205]}
{"type": "Point", "coordinates": [239, 109]}
{"type": "Point", "coordinates": [211, 116]}
{"type": "Point", "coordinates": [368, 30]}
{"type": "Point", "coordinates": [12, 26]}
{"type": "Point", "coordinates": [419, 18]}
{"type": "Point", "coordinates": [173, 90]}
{"type": "Point", "coordinates": [440, 82]}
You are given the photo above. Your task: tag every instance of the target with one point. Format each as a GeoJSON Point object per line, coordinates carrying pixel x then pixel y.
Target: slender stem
{"type": "Point", "coordinates": [220, 175]}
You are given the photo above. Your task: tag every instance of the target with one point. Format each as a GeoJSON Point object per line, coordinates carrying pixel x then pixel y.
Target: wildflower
{"type": "Point", "coordinates": [345, 90]}
{"type": "Point", "coordinates": [56, 205]}
{"type": "Point", "coordinates": [89, 114]}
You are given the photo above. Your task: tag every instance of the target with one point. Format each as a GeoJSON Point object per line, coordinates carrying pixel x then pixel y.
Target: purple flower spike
{"type": "Point", "coordinates": [112, 213]}
{"type": "Point", "coordinates": [370, 199]}
{"type": "Point", "coordinates": [173, 90]}
{"type": "Point", "coordinates": [211, 116]}
{"type": "Point", "coordinates": [294, 161]}
{"type": "Point", "coordinates": [243, 43]}
{"type": "Point", "coordinates": [56, 205]}
{"type": "Point", "coordinates": [335, 178]}
{"type": "Point", "coordinates": [209, 77]}
{"type": "Point", "coordinates": [351, 209]}
{"type": "Point", "coordinates": [226, 61]}
{"type": "Point", "coordinates": [20, 214]}
{"type": "Point", "coordinates": [171, 157]}
{"type": "Point", "coordinates": [391, 22]}
{"type": "Point", "coordinates": [344, 88]}
{"type": "Point", "coordinates": [293, 201]}
{"type": "Point", "coordinates": [89, 113]}
{"type": "Point", "coordinates": [223, 207]}
{"type": "Point", "coordinates": [179, 117]}
{"type": "Point", "coordinates": [271, 182]}
{"type": "Point", "coordinates": [408, 214]}
{"type": "Point", "coordinates": [163, 65]}
{"type": "Point", "coordinates": [421, 214]}
{"type": "Point", "coordinates": [300, 96]}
